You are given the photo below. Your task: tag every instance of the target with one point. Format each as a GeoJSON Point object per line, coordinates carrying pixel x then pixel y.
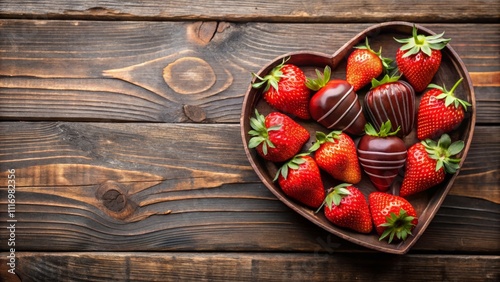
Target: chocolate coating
{"type": "Point", "coordinates": [381, 159]}
{"type": "Point", "coordinates": [395, 102]}
{"type": "Point", "coordinates": [336, 106]}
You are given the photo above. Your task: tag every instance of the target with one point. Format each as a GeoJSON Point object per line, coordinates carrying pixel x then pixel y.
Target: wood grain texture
{"type": "Point", "coordinates": [251, 267]}
{"type": "Point", "coordinates": [180, 71]}
{"type": "Point", "coordinates": [121, 121]}
{"type": "Point", "coordinates": [172, 187]}
{"type": "Point", "coordinates": [258, 10]}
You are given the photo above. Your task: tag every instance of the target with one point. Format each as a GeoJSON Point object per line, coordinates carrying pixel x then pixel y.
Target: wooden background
{"type": "Point", "coordinates": [121, 120]}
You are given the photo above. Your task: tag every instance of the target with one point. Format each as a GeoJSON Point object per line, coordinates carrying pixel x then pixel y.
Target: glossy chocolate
{"type": "Point", "coordinates": [336, 106]}
{"type": "Point", "coordinates": [392, 101]}
{"type": "Point", "coordinates": [381, 159]}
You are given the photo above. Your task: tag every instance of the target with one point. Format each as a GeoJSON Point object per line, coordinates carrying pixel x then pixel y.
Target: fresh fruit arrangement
{"type": "Point", "coordinates": [362, 142]}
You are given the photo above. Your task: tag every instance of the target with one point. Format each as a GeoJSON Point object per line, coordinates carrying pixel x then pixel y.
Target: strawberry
{"type": "Point", "coordinates": [394, 100]}
{"type": "Point", "coordinates": [364, 64]}
{"type": "Point", "coordinates": [285, 89]}
{"type": "Point", "coordinates": [427, 163]}
{"type": "Point", "coordinates": [420, 57]}
{"type": "Point", "coordinates": [346, 206]}
{"type": "Point", "coordinates": [336, 154]}
{"type": "Point", "coordinates": [439, 112]}
{"type": "Point", "coordinates": [381, 155]}
{"type": "Point", "coordinates": [393, 216]}
{"type": "Point", "coordinates": [335, 105]}
{"type": "Point", "coordinates": [276, 137]}
{"type": "Point", "coordinates": [300, 179]}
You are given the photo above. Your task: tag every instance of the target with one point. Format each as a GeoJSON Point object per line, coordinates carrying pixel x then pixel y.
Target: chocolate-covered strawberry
{"type": "Point", "coordinates": [391, 99]}
{"type": "Point", "coordinates": [381, 154]}
{"type": "Point", "coordinates": [335, 105]}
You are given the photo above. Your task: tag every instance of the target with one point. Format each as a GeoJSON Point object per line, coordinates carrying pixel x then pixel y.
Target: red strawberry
{"type": "Point", "coordinates": [394, 100]}
{"type": "Point", "coordinates": [336, 154]}
{"type": "Point", "coordinates": [276, 137]}
{"type": "Point", "coordinates": [364, 64]}
{"type": "Point", "coordinates": [335, 105]}
{"type": "Point", "coordinates": [439, 112]}
{"type": "Point", "coordinates": [381, 155]}
{"type": "Point", "coordinates": [427, 163]}
{"type": "Point", "coordinates": [347, 207]}
{"type": "Point", "coordinates": [300, 179]}
{"type": "Point", "coordinates": [420, 57]}
{"type": "Point", "coordinates": [393, 216]}
{"type": "Point", "coordinates": [285, 89]}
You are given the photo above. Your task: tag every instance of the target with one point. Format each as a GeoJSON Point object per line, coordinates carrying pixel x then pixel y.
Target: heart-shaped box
{"type": "Point", "coordinates": [426, 203]}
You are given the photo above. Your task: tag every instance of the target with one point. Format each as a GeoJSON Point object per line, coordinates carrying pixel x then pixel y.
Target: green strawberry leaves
{"type": "Point", "coordinates": [397, 225]}
{"type": "Point", "coordinates": [423, 43]}
{"type": "Point", "coordinates": [386, 79]}
{"type": "Point", "coordinates": [335, 196]}
{"type": "Point", "coordinates": [449, 95]}
{"type": "Point", "coordinates": [442, 151]}
{"type": "Point", "coordinates": [272, 79]}
{"type": "Point", "coordinates": [294, 164]}
{"type": "Point", "coordinates": [385, 130]}
{"type": "Point", "coordinates": [386, 62]}
{"type": "Point", "coordinates": [322, 138]}
{"type": "Point", "coordinates": [259, 132]}
{"type": "Point", "coordinates": [321, 80]}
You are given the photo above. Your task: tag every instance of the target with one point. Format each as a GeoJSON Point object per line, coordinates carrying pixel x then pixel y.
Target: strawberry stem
{"type": "Point", "coordinates": [260, 133]}
{"type": "Point", "coordinates": [335, 196]}
{"type": "Point", "coordinates": [449, 95]}
{"type": "Point", "coordinates": [442, 152]}
{"type": "Point", "coordinates": [272, 78]}
{"type": "Point", "coordinates": [399, 225]}
{"type": "Point", "coordinates": [456, 85]}
{"type": "Point", "coordinates": [384, 80]}
{"type": "Point", "coordinates": [419, 42]}
{"type": "Point", "coordinates": [385, 130]}
{"type": "Point", "coordinates": [321, 80]}
{"type": "Point", "coordinates": [294, 164]}
{"type": "Point", "coordinates": [386, 62]}
{"type": "Point", "coordinates": [322, 138]}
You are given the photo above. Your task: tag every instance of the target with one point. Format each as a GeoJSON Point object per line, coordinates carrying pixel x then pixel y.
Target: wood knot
{"type": "Point", "coordinates": [194, 113]}
{"type": "Point", "coordinates": [114, 200]}
{"type": "Point", "coordinates": [114, 197]}
{"type": "Point", "coordinates": [202, 32]}
{"type": "Point", "coordinates": [189, 75]}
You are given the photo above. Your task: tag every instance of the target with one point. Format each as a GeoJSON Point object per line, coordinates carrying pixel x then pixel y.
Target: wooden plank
{"type": "Point", "coordinates": [253, 10]}
{"type": "Point", "coordinates": [153, 187]}
{"type": "Point", "coordinates": [137, 71]}
{"type": "Point", "coordinates": [187, 266]}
